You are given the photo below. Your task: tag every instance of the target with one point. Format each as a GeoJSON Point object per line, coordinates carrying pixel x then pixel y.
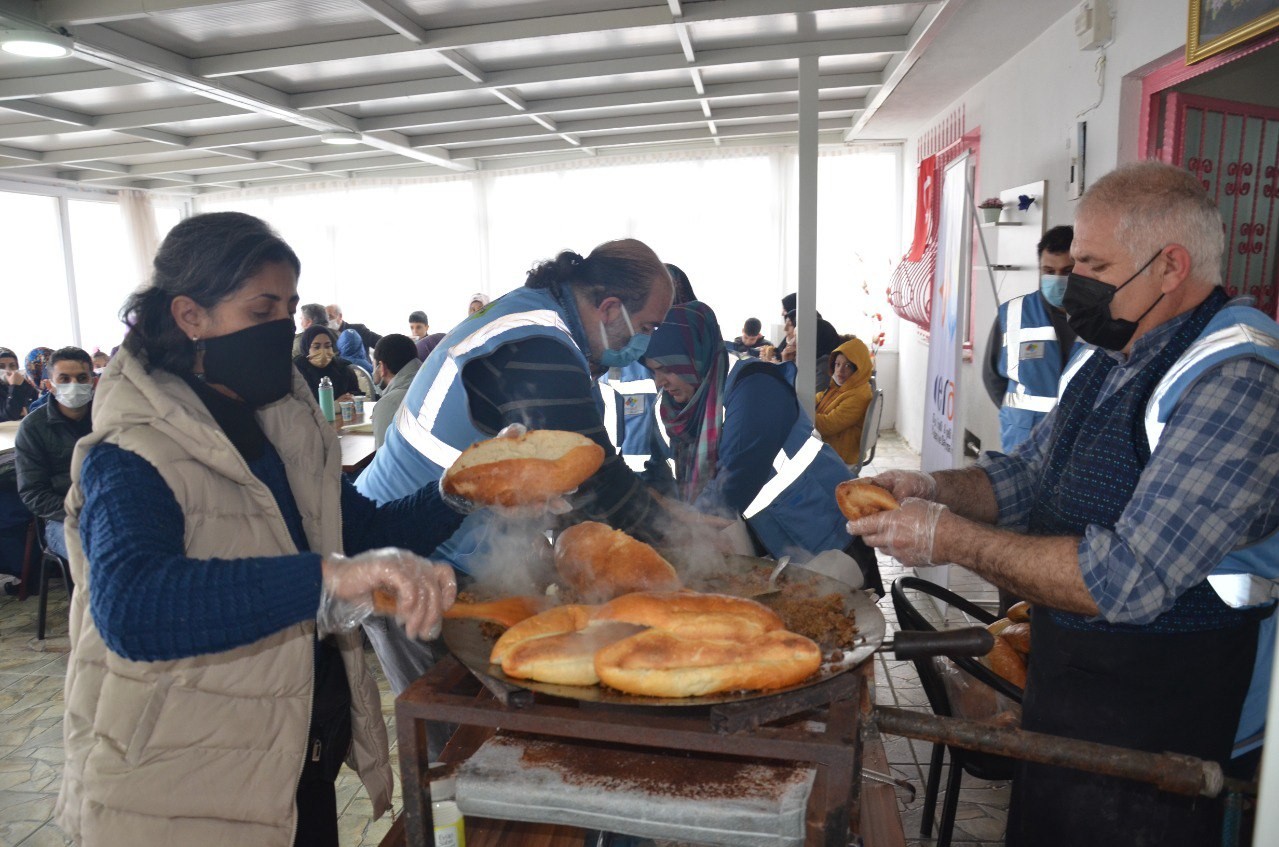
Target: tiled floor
{"type": "Point", "coordinates": [31, 676]}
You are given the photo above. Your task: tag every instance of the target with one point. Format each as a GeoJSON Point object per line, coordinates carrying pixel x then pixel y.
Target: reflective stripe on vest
{"type": "Point", "coordinates": [1209, 345]}
{"type": "Point", "coordinates": [1015, 334]}
{"type": "Point", "coordinates": [788, 470]}
{"type": "Point", "coordinates": [634, 386]}
{"type": "Point", "coordinates": [419, 430]}
{"type": "Point", "coordinates": [1021, 400]}
{"type": "Point", "coordinates": [1240, 590]}
{"type": "Point", "coordinates": [1073, 367]}
{"type": "Point", "coordinates": [612, 426]}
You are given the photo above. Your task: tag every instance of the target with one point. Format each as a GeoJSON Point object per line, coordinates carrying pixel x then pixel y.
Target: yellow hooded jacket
{"type": "Point", "coordinates": [841, 409]}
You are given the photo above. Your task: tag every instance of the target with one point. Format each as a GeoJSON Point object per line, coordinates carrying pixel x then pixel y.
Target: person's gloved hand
{"type": "Point", "coordinates": [423, 590]}
{"type": "Point", "coordinates": [907, 534]}
{"type": "Point", "coordinates": [904, 484]}
{"type": "Point", "coordinates": [555, 506]}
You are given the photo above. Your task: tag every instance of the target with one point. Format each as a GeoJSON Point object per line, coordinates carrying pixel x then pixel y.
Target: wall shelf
{"type": "Point", "coordinates": [1005, 267]}
{"type": "Point", "coordinates": [1001, 223]}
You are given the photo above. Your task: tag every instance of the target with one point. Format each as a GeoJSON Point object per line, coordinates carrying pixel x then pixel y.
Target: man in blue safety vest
{"type": "Point", "coordinates": [1141, 518]}
{"type": "Point", "coordinates": [531, 357]}
{"type": "Point", "coordinates": [1030, 344]}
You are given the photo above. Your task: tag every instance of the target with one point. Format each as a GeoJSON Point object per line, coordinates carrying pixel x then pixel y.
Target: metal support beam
{"type": "Point", "coordinates": [806, 304]}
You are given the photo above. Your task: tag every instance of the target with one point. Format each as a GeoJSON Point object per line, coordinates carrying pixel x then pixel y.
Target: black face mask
{"type": "Point", "coordinates": [256, 363]}
{"type": "Point", "coordinates": [1087, 305]}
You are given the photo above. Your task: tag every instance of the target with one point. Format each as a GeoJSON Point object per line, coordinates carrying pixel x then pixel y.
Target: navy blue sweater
{"type": "Point", "coordinates": [152, 602]}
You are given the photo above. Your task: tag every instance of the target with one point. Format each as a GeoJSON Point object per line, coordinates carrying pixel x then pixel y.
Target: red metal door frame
{"type": "Point", "coordinates": [1174, 72]}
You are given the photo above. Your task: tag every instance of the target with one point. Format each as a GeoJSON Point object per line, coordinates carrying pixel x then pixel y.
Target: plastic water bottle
{"type": "Point", "coordinates": [326, 398]}
{"type": "Point", "coordinates": [450, 826]}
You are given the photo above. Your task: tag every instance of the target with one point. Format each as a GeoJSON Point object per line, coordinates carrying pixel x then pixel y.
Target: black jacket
{"type": "Point", "coordinates": [15, 398]}
{"type": "Point", "coordinates": [43, 452]}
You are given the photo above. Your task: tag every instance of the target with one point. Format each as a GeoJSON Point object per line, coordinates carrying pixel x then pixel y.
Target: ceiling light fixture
{"type": "Point", "coordinates": [341, 138]}
{"type": "Point", "coordinates": [36, 43]}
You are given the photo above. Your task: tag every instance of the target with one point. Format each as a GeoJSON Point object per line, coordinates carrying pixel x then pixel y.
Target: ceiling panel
{"type": "Point", "coordinates": [213, 30]}
{"type": "Point", "coordinates": [366, 70]}
{"type": "Point", "coordinates": [575, 47]}
{"type": "Point", "coordinates": [121, 98]}
{"type": "Point", "coordinates": [618, 84]}
{"type": "Point", "coordinates": [430, 102]}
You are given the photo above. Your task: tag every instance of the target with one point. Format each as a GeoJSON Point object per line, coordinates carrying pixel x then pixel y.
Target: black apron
{"type": "Point", "coordinates": [1166, 692]}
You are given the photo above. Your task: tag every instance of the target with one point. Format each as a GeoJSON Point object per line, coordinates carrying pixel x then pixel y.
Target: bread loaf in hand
{"type": "Point", "coordinates": [858, 498]}
{"type": "Point", "coordinates": [527, 470]}
{"type": "Point", "coordinates": [601, 563]}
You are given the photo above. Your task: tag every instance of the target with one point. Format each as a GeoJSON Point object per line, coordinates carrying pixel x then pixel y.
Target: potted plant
{"type": "Point", "coordinates": [991, 208]}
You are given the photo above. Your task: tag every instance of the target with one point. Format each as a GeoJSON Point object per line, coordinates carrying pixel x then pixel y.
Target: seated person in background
{"type": "Point", "coordinates": [478, 302]}
{"type": "Point", "coordinates": [420, 332]}
{"type": "Point", "coordinates": [351, 347]}
{"type": "Point", "coordinates": [321, 361]}
{"type": "Point", "coordinates": [309, 315]}
{"type": "Point", "coordinates": [841, 409]}
{"type": "Point", "coordinates": [338, 323]}
{"type": "Point", "coordinates": [827, 340]}
{"type": "Point", "coordinates": [16, 394]}
{"type": "Point", "coordinates": [37, 360]}
{"type": "Point", "coordinates": [100, 361]}
{"type": "Point", "coordinates": [396, 363]}
{"type": "Point", "coordinates": [729, 431]}
{"type": "Point", "coordinates": [751, 339]}
{"type": "Point", "coordinates": [47, 437]}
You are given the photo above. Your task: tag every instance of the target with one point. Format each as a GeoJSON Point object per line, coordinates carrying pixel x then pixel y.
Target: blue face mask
{"type": "Point", "coordinates": [633, 350]}
{"type": "Point", "coordinates": [1053, 288]}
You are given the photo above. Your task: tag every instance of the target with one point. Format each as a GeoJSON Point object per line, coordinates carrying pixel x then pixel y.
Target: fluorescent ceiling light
{"type": "Point", "coordinates": [35, 43]}
{"type": "Point", "coordinates": [341, 138]}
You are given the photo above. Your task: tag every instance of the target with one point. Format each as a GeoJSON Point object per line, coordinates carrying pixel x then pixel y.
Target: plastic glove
{"type": "Point", "coordinates": [906, 484]}
{"type": "Point", "coordinates": [906, 534]}
{"type": "Point", "coordinates": [423, 591]}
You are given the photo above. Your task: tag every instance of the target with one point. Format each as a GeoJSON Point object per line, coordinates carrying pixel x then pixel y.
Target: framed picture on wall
{"type": "Point", "coordinates": [1216, 25]}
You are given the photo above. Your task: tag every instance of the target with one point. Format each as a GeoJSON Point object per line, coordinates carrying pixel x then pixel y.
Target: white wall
{"type": "Point", "coordinates": [1025, 111]}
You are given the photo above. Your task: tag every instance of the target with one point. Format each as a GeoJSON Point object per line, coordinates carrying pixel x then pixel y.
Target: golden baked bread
{"type": "Point", "coordinates": [1006, 662]}
{"type": "Point", "coordinates": [1017, 635]}
{"type": "Point", "coordinates": [601, 563]}
{"type": "Point", "coordinates": [657, 663]}
{"type": "Point", "coordinates": [713, 616]}
{"type": "Point", "coordinates": [567, 658]}
{"type": "Point", "coordinates": [858, 498]}
{"type": "Point", "coordinates": [556, 621]}
{"type": "Point", "coordinates": [528, 470]}
{"type": "Point", "coordinates": [1019, 612]}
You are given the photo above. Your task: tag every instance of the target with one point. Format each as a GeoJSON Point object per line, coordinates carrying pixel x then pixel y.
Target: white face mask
{"type": "Point", "coordinates": [73, 395]}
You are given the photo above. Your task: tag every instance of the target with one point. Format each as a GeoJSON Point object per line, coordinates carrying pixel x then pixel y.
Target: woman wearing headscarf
{"type": "Point", "coordinates": [319, 359]}
{"type": "Point", "coordinates": [841, 409]}
{"type": "Point", "coordinates": [743, 446]}
{"type": "Point", "coordinates": [222, 562]}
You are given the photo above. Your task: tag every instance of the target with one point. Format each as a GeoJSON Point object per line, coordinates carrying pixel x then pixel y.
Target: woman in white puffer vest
{"type": "Point", "coordinates": [216, 681]}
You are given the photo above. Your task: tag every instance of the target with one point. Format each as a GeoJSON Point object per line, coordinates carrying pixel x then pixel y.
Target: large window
{"type": "Point", "coordinates": [34, 309]}
{"type": "Point", "coordinates": [47, 232]}
{"type": "Point", "coordinates": [104, 271]}
{"type": "Point", "coordinates": [384, 250]}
